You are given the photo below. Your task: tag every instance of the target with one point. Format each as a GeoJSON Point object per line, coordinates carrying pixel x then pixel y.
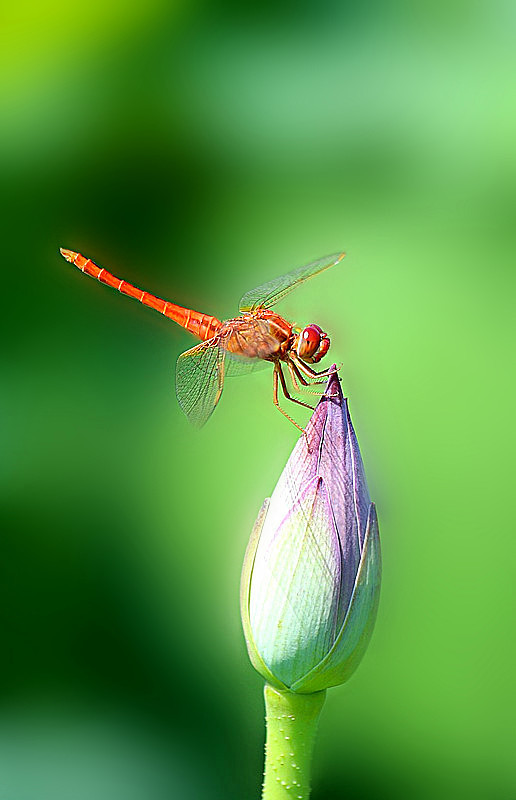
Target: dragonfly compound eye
{"type": "Point", "coordinates": [323, 349]}
{"type": "Point", "coordinates": [309, 341]}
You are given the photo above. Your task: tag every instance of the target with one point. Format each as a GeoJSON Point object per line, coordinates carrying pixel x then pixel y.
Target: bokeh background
{"type": "Point", "coordinates": [198, 149]}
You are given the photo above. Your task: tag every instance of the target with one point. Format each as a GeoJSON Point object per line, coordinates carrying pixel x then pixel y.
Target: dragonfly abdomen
{"type": "Point", "coordinates": [201, 325]}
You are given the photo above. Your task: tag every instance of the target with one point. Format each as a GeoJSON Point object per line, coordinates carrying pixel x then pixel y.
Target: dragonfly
{"type": "Point", "coordinates": [236, 346]}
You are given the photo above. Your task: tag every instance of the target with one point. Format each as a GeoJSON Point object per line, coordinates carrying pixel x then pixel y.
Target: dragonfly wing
{"type": "Point", "coordinates": [237, 365]}
{"type": "Point", "coordinates": [268, 294]}
{"type": "Point", "coordinates": [200, 379]}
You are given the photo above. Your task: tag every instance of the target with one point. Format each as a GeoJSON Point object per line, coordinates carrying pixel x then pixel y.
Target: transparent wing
{"type": "Point", "coordinates": [200, 379]}
{"type": "Point", "coordinates": [266, 295]}
{"type": "Point", "coordinates": [238, 365]}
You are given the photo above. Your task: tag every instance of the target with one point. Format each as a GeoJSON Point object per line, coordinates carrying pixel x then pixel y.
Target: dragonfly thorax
{"type": "Point", "coordinates": [262, 334]}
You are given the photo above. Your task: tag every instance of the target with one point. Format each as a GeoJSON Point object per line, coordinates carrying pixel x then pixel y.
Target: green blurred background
{"type": "Point", "coordinates": [198, 149]}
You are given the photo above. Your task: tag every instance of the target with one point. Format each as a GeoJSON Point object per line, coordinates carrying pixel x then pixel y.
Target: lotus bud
{"type": "Point", "coordinates": [311, 576]}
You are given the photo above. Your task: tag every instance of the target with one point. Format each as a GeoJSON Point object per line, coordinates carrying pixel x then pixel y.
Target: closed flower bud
{"type": "Point", "coordinates": [311, 576]}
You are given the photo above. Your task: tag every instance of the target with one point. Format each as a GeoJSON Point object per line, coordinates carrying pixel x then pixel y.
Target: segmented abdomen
{"type": "Point", "coordinates": [201, 325]}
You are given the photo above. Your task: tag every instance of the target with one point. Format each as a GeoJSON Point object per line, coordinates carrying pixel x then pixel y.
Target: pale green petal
{"type": "Point", "coordinates": [355, 633]}
{"type": "Point", "coordinates": [245, 588]}
{"type": "Point", "coordinates": [295, 587]}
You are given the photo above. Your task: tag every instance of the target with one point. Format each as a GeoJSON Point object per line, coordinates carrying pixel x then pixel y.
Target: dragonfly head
{"type": "Point", "coordinates": [312, 343]}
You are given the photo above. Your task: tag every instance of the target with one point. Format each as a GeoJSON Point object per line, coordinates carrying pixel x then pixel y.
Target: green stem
{"type": "Point", "coordinates": [291, 725]}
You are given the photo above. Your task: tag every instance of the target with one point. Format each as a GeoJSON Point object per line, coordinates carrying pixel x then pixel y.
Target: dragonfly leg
{"type": "Point", "coordinates": [275, 398]}
{"type": "Point", "coordinates": [286, 392]}
{"type": "Point", "coordinates": [296, 376]}
{"type": "Point", "coordinates": [308, 371]}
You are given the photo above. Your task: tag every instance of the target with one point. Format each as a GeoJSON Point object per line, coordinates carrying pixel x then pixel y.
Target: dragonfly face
{"type": "Point", "coordinates": [312, 343]}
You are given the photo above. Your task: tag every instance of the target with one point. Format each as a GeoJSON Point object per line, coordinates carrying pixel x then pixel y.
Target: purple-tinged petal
{"type": "Point", "coordinates": [330, 450]}
{"type": "Point", "coordinates": [353, 638]}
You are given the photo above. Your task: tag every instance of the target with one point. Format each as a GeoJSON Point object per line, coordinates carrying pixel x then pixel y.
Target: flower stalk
{"type": "Point", "coordinates": [291, 727]}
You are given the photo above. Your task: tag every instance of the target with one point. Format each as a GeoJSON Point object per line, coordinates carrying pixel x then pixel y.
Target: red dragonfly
{"type": "Point", "coordinates": [238, 345]}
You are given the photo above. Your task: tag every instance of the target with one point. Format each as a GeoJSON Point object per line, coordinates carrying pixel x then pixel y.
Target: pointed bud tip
{"type": "Point", "coordinates": [332, 400]}
{"type": "Point", "coordinates": [333, 389]}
